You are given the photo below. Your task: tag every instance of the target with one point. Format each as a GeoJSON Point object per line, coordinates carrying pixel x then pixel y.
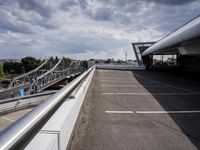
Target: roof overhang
{"type": "Point", "coordinates": [187, 32]}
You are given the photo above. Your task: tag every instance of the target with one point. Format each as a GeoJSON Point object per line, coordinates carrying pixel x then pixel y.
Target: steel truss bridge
{"type": "Point", "coordinates": [44, 76]}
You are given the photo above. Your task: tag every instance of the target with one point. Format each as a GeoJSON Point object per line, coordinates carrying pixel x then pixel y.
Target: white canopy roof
{"type": "Point", "coordinates": [188, 31]}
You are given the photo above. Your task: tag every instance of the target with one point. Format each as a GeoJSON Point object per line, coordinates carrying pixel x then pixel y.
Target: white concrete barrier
{"type": "Point", "coordinates": [60, 126]}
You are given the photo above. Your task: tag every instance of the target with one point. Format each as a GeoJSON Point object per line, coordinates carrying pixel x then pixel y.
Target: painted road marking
{"type": "Point", "coordinates": [120, 112]}
{"type": "Point", "coordinates": [153, 112]}
{"type": "Point", "coordinates": [131, 81]}
{"type": "Point", "coordinates": [105, 78]}
{"type": "Point", "coordinates": [11, 120]}
{"type": "Point", "coordinates": [130, 85]}
{"type": "Point", "coordinates": [107, 93]}
{"type": "Point", "coordinates": [167, 112]}
{"type": "Point", "coordinates": [170, 94]}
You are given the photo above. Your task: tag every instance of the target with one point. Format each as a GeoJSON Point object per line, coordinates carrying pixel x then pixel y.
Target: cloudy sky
{"type": "Point", "coordinates": [86, 29]}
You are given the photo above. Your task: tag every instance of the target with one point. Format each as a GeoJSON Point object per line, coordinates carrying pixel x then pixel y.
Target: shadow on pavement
{"type": "Point", "coordinates": [189, 123]}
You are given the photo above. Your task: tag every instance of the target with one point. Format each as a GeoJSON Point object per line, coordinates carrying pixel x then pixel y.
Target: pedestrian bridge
{"type": "Point", "coordinates": [47, 74]}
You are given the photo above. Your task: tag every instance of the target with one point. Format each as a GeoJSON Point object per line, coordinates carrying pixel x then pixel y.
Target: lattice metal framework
{"type": "Point", "coordinates": [56, 74]}
{"type": "Point", "coordinates": [30, 76]}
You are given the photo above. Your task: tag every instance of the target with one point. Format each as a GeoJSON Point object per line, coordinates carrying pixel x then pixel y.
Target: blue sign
{"type": "Point", "coordinates": [21, 92]}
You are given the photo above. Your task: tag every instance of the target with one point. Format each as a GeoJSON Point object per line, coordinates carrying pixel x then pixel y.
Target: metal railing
{"type": "Point", "coordinates": [53, 76]}
{"type": "Point", "coordinates": [27, 77]}
{"type": "Point", "coordinates": [20, 133]}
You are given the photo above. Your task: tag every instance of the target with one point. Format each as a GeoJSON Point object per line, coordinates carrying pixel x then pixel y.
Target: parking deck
{"type": "Point", "coordinates": [127, 110]}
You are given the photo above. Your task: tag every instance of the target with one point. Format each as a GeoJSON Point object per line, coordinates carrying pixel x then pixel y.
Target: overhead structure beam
{"type": "Point", "coordinates": [138, 52]}
{"type": "Point", "coordinates": [187, 32]}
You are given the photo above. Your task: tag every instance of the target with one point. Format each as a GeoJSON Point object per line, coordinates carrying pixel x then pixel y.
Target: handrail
{"type": "Point", "coordinates": [19, 134]}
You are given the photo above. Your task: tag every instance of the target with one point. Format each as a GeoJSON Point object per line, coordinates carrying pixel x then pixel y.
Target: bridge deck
{"type": "Point", "coordinates": [140, 110]}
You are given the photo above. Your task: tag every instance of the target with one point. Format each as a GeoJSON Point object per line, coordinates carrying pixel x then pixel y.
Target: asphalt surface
{"type": "Point", "coordinates": [140, 110]}
{"type": "Point", "coordinates": [8, 119]}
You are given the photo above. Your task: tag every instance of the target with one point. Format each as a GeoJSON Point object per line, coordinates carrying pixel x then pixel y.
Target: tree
{"type": "Point", "coordinates": [68, 61]}
{"type": "Point", "coordinates": [12, 67]}
{"type": "Point", "coordinates": [108, 61]}
{"type": "Point", "coordinates": [56, 59]}
{"type": "Point", "coordinates": [119, 61]}
{"type": "Point", "coordinates": [30, 63]}
{"type": "Point", "coordinates": [84, 64]}
{"type": "Point", "coordinates": [1, 71]}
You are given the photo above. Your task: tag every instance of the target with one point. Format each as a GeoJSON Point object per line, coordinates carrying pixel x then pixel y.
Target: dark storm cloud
{"type": "Point", "coordinates": [83, 4]}
{"type": "Point", "coordinates": [118, 3]}
{"type": "Point", "coordinates": [68, 4]}
{"type": "Point", "coordinates": [103, 14]}
{"type": "Point", "coordinates": [79, 26]}
{"type": "Point", "coordinates": [40, 7]}
{"type": "Point", "coordinates": [21, 16]}
{"type": "Point", "coordinates": [123, 3]}
{"type": "Point", "coordinates": [164, 15]}
{"type": "Point", "coordinates": [171, 2]}
{"type": "Point", "coordinates": [10, 23]}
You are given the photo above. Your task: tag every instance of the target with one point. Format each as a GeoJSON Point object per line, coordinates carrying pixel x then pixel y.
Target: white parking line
{"type": "Point", "coordinates": [153, 112]}
{"type": "Point", "coordinates": [120, 112]}
{"type": "Point", "coordinates": [131, 81]}
{"type": "Point", "coordinates": [107, 93]}
{"type": "Point", "coordinates": [167, 94]}
{"type": "Point", "coordinates": [130, 85]}
{"type": "Point", "coordinates": [8, 119]}
{"type": "Point", "coordinates": [127, 78]}
{"type": "Point", "coordinates": [167, 112]}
